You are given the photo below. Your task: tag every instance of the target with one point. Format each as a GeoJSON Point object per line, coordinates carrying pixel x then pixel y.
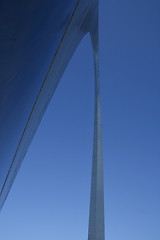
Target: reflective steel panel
{"type": "Point", "coordinates": [30, 33]}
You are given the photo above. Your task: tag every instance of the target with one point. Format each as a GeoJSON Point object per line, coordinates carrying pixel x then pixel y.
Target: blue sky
{"type": "Point", "coordinates": [50, 196]}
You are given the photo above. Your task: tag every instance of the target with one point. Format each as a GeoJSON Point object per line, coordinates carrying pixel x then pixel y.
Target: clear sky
{"type": "Point", "coordinates": [50, 196]}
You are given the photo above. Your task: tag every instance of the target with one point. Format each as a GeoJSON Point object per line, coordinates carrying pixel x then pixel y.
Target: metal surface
{"type": "Point", "coordinates": [30, 34]}
{"type": "Point", "coordinates": [96, 217]}
{"type": "Point", "coordinates": [37, 41]}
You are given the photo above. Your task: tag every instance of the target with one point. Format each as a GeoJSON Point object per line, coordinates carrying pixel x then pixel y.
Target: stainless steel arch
{"type": "Point", "coordinates": [81, 19]}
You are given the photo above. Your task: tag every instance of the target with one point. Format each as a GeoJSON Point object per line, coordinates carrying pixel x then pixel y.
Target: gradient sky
{"type": "Point", "coordinates": [50, 196]}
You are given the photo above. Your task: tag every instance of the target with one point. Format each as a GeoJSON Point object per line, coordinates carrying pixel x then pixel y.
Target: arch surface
{"type": "Point", "coordinates": [37, 42]}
